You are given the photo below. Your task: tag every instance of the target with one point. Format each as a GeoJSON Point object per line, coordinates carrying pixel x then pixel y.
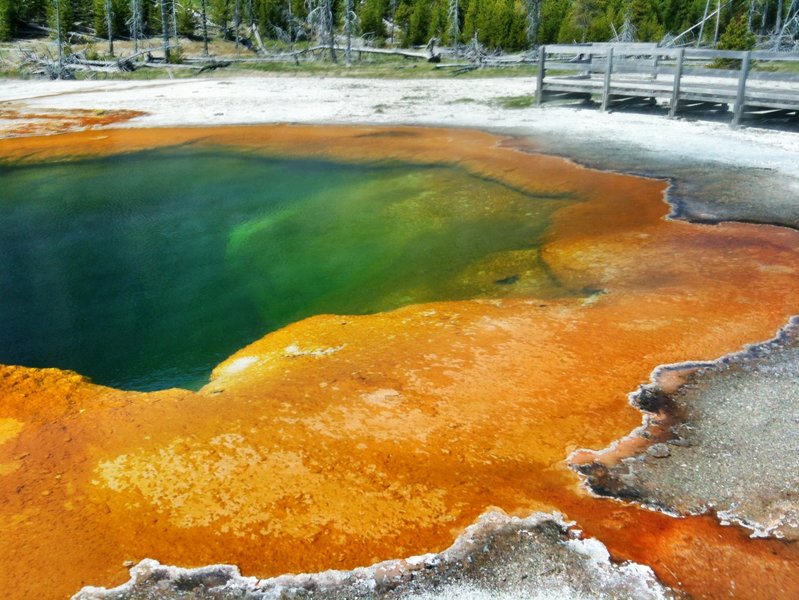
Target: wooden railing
{"type": "Point", "coordinates": [631, 73]}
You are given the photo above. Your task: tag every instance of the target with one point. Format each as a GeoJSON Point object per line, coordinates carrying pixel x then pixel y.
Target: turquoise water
{"type": "Point", "coordinates": [144, 271]}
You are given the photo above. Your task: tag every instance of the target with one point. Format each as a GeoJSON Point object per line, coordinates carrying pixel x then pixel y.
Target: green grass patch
{"type": "Point", "coordinates": [516, 102]}
{"type": "Point", "coordinates": [776, 66]}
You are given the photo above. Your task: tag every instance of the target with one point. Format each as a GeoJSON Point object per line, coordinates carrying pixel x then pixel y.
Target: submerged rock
{"type": "Point", "coordinates": [499, 557]}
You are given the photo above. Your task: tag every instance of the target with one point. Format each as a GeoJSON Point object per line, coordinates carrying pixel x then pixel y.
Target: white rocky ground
{"type": "Point", "coordinates": [452, 102]}
{"type": "Point", "coordinates": [498, 558]}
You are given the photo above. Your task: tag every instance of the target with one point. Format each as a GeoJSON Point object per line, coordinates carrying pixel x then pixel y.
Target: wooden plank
{"type": "Point", "coordinates": [740, 98]}
{"type": "Point", "coordinates": [782, 105]}
{"type": "Point", "coordinates": [574, 49]}
{"type": "Point", "coordinates": [769, 76]}
{"type": "Point", "coordinates": [554, 95]}
{"type": "Point", "coordinates": [556, 65]}
{"type": "Point", "coordinates": [559, 87]}
{"type": "Point", "coordinates": [703, 106]}
{"type": "Point", "coordinates": [626, 101]}
{"type": "Point", "coordinates": [769, 56]}
{"type": "Point", "coordinates": [786, 95]}
{"type": "Point", "coordinates": [651, 50]}
{"type": "Point", "coordinates": [691, 71]}
{"type": "Point", "coordinates": [713, 54]}
{"type": "Point", "coordinates": [675, 92]}
{"type": "Point", "coordinates": [608, 75]}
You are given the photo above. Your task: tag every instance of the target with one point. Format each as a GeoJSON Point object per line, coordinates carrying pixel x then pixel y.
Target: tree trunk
{"type": "Point", "coordinates": [135, 20]}
{"type": "Point", "coordinates": [393, 20]}
{"type": "Point", "coordinates": [109, 26]}
{"type": "Point", "coordinates": [291, 27]}
{"type": "Point", "coordinates": [534, 26]}
{"type": "Point", "coordinates": [778, 25]}
{"type": "Point", "coordinates": [331, 29]}
{"type": "Point", "coordinates": [348, 21]}
{"type": "Point", "coordinates": [205, 27]}
{"type": "Point", "coordinates": [718, 22]}
{"type": "Point", "coordinates": [58, 37]}
{"type": "Point", "coordinates": [702, 26]}
{"type": "Point", "coordinates": [175, 24]}
{"type": "Point", "coordinates": [165, 29]}
{"type": "Point", "coordinates": [237, 21]}
{"type": "Point", "coordinates": [455, 26]}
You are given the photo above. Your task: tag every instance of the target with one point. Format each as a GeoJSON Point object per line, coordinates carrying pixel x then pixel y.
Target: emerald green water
{"type": "Point", "coordinates": [144, 271]}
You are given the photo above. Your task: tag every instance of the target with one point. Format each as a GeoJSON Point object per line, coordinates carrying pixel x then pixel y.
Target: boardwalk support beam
{"type": "Point", "coordinates": [740, 98]}
{"type": "Point", "coordinates": [675, 92]}
{"type": "Point", "coordinates": [608, 73]}
{"type": "Point", "coordinates": [539, 90]}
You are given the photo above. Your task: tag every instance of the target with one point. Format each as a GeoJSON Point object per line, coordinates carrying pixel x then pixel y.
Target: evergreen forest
{"type": "Point", "coordinates": [508, 25]}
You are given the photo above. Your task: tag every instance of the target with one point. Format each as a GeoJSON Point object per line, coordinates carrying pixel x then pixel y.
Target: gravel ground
{"type": "Point", "coordinates": [733, 443]}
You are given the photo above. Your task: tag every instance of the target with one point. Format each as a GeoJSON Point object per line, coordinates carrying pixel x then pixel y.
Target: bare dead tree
{"type": "Point", "coordinates": [455, 26]}
{"type": "Point", "coordinates": [165, 29]}
{"type": "Point", "coordinates": [533, 21]}
{"type": "Point", "coordinates": [629, 32]}
{"type": "Point", "coordinates": [58, 38]}
{"type": "Point", "coordinates": [237, 22]}
{"type": "Point", "coordinates": [702, 27]}
{"type": "Point", "coordinates": [328, 10]}
{"type": "Point", "coordinates": [135, 23]}
{"type": "Point", "coordinates": [291, 26]}
{"type": "Point", "coordinates": [175, 23]}
{"type": "Point", "coordinates": [791, 19]}
{"type": "Point", "coordinates": [205, 26]}
{"type": "Point", "coordinates": [393, 19]}
{"type": "Point", "coordinates": [320, 19]}
{"type": "Point", "coordinates": [349, 21]}
{"type": "Point", "coordinates": [718, 23]}
{"type": "Point", "coordinates": [778, 23]}
{"type": "Point", "coordinates": [109, 25]}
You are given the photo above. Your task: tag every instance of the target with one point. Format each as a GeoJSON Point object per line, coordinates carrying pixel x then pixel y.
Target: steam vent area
{"type": "Point", "coordinates": [364, 362]}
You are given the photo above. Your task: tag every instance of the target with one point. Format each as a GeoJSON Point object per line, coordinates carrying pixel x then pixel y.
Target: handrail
{"type": "Point", "coordinates": [652, 51]}
{"type": "Point", "coordinates": [694, 83]}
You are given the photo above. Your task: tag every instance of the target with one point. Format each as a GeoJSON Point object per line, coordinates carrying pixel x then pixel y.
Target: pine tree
{"type": "Point", "coordinates": [737, 36]}
{"type": "Point", "coordinates": [61, 17]}
{"type": "Point", "coordinates": [371, 16]}
{"type": "Point", "coordinates": [7, 19]}
{"type": "Point", "coordinates": [417, 30]}
{"type": "Point", "coordinates": [185, 18]}
{"type": "Point", "coordinates": [222, 13]}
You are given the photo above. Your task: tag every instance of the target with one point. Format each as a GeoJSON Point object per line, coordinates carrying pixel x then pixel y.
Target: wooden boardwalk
{"type": "Point", "coordinates": [624, 74]}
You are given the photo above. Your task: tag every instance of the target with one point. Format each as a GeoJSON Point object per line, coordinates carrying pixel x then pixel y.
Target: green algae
{"type": "Point", "coordinates": [145, 270]}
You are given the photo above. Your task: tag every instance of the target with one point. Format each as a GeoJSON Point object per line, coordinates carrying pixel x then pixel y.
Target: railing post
{"type": "Point", "coordinates": [675, 92]}
{"type": "Point", "coordinates": [740, 98]}
{"type": "Point", "coordinates": [608, 72]}
{"type": "Point", "coordinates": [539, 90]}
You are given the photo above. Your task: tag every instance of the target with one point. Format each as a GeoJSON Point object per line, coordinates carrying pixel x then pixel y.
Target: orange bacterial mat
{"type": "Point", "coordinates": [339, 441]}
